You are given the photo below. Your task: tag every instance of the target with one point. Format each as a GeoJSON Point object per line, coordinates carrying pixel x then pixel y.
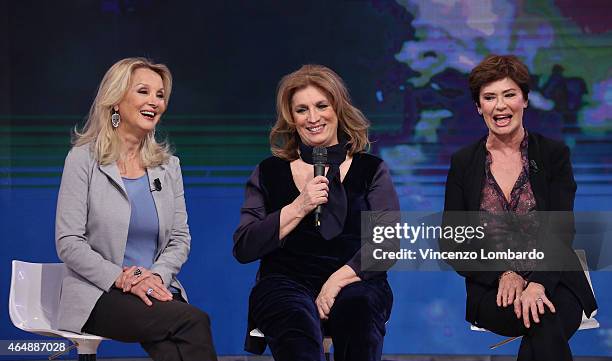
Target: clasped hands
{"type": "Point", "coordinates": [143, 284]}
{"type": "Point", "coordinates": [528, 301]}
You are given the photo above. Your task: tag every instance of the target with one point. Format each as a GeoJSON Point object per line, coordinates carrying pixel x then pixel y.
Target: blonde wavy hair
{"type": "Point", "coordinates": [98, 130]}
{"type": "Point", "coordinates": [352, 124]}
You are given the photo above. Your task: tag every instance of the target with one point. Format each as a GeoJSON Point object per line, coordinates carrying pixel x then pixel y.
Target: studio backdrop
{"type": "Point", "coordinates": [405, 63]}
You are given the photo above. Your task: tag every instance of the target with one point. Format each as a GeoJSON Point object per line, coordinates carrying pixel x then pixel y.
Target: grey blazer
{"type": "Point", "coordinates": [91, 228]}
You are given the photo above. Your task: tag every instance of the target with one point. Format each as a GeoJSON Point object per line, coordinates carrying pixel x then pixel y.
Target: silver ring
{"type": "Point", "coordinates": [149, 291]}
{"type": "Point", "coordinates": [137, 272]}
{"type": "Point", "coordinates": [539, 299]}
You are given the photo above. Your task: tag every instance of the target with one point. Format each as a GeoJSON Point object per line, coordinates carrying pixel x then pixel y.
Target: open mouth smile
{"type": "Point", "coordinates": [316, 129]}
{"type": "Point", "coordinates": [148, 114]}
{"type": "Point", "coordinates": [501, 120]}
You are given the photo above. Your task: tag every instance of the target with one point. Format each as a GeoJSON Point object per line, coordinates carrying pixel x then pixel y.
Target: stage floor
{"type": "Point", "coordinates": [385, 358]}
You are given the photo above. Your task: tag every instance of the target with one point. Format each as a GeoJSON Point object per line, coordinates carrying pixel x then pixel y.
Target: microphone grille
{"type": "Point", "coordinates": [319, 155]}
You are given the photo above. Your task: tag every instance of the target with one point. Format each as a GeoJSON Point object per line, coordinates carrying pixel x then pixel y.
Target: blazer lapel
{"type": "Point", "coordinates": [112, 172]}
{"type": "Point", "coordinates": [158, 173]}
{"type": "Point", "coordinates": [476, 177]}
{"type": "Point", "coordinates": [537, 173]}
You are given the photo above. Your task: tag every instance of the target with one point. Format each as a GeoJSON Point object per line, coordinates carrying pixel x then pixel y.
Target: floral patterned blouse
{"type": "Point", "coordinates": [511, 223]}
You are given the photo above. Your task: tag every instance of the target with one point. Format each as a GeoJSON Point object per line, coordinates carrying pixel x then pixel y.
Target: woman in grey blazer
{"type": "Point", "coordinates": [121, 224]}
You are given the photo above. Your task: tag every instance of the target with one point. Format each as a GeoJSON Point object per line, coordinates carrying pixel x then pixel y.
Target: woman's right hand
{"type": "Point", "coordinates": [511, 285]}
{"type": "Point", "coordinates": [127, 273]}
{"type": "Point", "coordinates": [314, 193]}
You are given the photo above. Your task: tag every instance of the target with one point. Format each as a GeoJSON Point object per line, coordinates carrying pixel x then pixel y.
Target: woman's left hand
{"type": "Point", "coordinates": [327, 296]}
{"type": "Point", "coordinates": [532, 303]}
{"type": "Point", "coordinates": [134, 278]}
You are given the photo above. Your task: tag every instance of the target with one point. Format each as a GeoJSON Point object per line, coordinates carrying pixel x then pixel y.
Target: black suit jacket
{"type": "Point", "coordinates": [554, 189]}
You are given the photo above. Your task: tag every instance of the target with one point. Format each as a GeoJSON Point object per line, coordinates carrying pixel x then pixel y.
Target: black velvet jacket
{"type": "Point", "coordinates": [554, 188]}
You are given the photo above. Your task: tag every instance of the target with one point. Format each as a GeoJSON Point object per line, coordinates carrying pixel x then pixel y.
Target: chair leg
{"type": "Point", "coordinates": [327, 344]}
{"type": "Point", "coordinates": [87, 349]}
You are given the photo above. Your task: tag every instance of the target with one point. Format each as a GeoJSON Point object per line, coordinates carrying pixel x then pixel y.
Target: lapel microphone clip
{"type": "Point", "coordinates": [156, 185]}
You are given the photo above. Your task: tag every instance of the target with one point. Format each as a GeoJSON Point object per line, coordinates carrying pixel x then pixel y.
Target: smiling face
{"type": "Point", "coordinates": [502, 105]}
{"type": "Point", "coordinates": [143, 104]}
{"type": "Point", "coordinates": [315, 119]}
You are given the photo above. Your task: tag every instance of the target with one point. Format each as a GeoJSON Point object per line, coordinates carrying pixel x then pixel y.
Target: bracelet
{"type": "Point", "coordinates": [503, 274]}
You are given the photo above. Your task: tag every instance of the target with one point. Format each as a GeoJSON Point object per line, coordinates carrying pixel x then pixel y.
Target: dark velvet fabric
{"type": "Point", "coordinates": [334, 211]}
{"type": "Point", "coordinates": [292, 270]}
{"type": "Point", "coordinates": [284, 310]}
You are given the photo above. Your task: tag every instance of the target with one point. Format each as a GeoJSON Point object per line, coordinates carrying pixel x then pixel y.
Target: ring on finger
{"type": "Point", "coordinates": [149, 291]}
{"type": "Point", "coordinates": [137, 272]}
{"type": "Point", "coordinates": [539, 299]}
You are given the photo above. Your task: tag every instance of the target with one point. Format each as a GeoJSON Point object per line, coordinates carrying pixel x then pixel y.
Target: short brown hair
{"type": "Point", "coordinates": [352, 124]}
{"type": "Point", "coordinates": [497, 67]}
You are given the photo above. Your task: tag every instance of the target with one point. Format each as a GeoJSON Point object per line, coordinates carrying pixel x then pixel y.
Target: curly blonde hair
{"type": "Point", "coordinates": [352, 124]}
{"type": "Point", "coordinates": [98, 130]}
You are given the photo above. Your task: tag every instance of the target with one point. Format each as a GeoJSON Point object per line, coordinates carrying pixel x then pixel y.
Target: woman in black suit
{"type": "Point", "coordinates": [512, 171]}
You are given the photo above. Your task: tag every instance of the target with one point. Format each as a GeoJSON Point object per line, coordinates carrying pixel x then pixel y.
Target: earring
{"type": "Point", "coordinates": [115, 119]}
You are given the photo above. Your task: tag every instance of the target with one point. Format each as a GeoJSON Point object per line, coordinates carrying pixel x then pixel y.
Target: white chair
{"type": "Point", "coordinates": [586, 324]}
{"type": "Point", "coordinates": [33, 305]}
{"type": "Point", "coordinates": [327, 341]}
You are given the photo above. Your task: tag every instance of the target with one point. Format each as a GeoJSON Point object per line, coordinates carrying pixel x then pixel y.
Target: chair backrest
{"type": "Point", "coordinates": [34, 294]}
{"type": "Point", "coordinates": [586, 322]}
{"type": "Point", "coordinates": [583, 263]}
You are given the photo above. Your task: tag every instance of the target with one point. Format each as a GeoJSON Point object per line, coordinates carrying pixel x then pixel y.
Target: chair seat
{"type": "Point", "coordinates": [585, 324]}
{"type": "Point", "coordinates": [256, 333]}
{"type": "Point", "coordinates": [34, 300]}
{"type": "Point", "coordinates": [327, 341]}
{"type": "Point", "coordinates": [65, 334]}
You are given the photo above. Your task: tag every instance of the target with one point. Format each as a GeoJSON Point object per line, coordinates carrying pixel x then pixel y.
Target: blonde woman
{"type": "Point", "coordinates": [121, 224]}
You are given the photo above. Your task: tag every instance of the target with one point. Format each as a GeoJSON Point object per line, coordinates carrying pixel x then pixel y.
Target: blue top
{"type": "Point", "coordinates": [144, 224]}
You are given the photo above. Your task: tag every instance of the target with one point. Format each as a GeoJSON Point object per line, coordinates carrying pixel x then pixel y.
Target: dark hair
{"type": "Point", "coordinates": [498, 67]}
{"type": "Point", "coordinates": [352, 124]}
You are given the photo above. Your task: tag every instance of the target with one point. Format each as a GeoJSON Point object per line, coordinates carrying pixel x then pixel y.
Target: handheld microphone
{"type": "Point", "coordinates": [157, 185]}
{"type": "Point", "coordinates": [319, 159]}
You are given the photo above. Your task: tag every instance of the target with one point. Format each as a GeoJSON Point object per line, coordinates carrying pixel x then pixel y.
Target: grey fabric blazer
{"type": "Point", "coordinates": [91, 228]}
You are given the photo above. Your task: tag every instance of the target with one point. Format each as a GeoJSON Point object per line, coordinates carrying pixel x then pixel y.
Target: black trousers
{"type": "Point", "coordinates": [544, 341]}
{"type": "Point", "coordinates": [285, 311]}
{"type": "Point", "coordinates": [168, 331]}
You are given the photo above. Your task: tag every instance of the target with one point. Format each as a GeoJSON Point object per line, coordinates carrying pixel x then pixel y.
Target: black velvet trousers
{"type": "Point", "coordinates": [544, 341]}
{"type": "Point", "coordinates": [285, 311]}
{"type": "Point", "coordinates": [168, 331]}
